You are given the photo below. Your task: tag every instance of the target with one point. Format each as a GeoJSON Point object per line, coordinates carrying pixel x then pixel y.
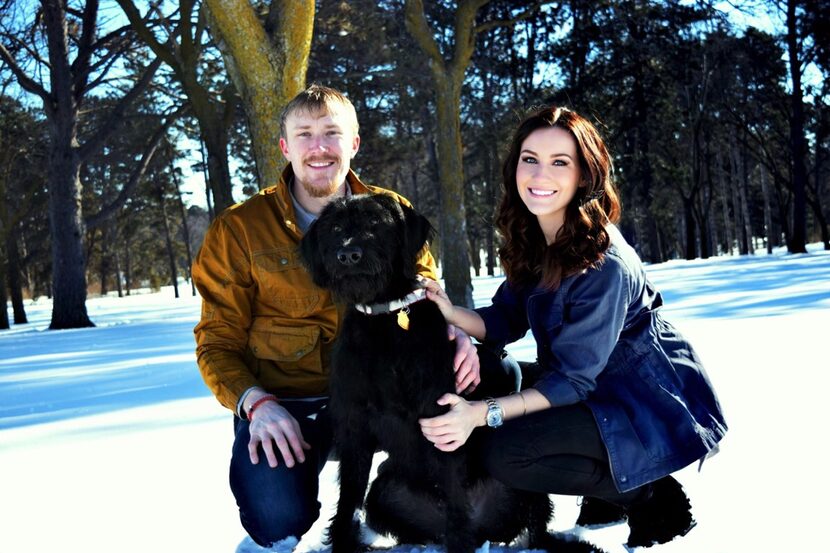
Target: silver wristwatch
{"type": "Point", "coordinates": [495, 414]}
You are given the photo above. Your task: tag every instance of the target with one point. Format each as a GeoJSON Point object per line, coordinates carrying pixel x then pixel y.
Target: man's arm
{"type": "Point", "coordinates": [222, 275]}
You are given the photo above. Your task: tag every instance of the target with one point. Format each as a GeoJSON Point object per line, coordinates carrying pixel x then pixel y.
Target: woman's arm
{"type": "Point", "coordinates": [452, 429]}
{"type": "Point", "coordinates": [467, 320]}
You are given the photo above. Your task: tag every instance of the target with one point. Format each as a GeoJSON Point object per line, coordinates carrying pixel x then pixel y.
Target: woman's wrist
{"type": "Point", "coordinates": [480, 410]}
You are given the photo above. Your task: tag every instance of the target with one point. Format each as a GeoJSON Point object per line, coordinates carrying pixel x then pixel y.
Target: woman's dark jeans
{"type": "Point", "coordinates": [275, 503]}
{"type": "Point", "coordinates": [558, 450]}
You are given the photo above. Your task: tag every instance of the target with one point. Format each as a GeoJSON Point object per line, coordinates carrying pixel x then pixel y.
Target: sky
{"type": "Point", "coordinates": [110, 441]}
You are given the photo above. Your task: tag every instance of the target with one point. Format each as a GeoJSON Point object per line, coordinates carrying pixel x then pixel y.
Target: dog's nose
{"type": "Point", "coordinates": [349, 255]}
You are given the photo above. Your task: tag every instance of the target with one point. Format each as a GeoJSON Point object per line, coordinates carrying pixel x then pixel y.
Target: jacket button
{"type": "Point", "coordinates": [623, 479]}
{"type": "Point", "coordinates": [283, 261]}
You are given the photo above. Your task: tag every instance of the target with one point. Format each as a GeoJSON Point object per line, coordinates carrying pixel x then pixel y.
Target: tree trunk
{"type": "Point", "coordinates": [456, 255]}
{"type": "Point", "coordinates": [106, 255]}
{"type": "Point", "coordinates": [66, 224]}
{"type": "Point", "coordinates": [767, 208]}
{"type": "Point", "coordinates": [185, 231]}
{"type": "Point", "coordinates": [168, 241]}
{"type": "Point", "coordinates": [744, 183]}
{"type": "Point", "coordinates": [66, 227]}
{"type": "Point", "coordinates": [128, 275]}
{"type": "Point", "coordinates": [727, 223]}
{"type": "Point", "coordinates": [492, 188]}
{"type": "Point", "coordinates": [267, 72]}
{"type": "Point", "coordinates": [798, 143]}
{"type": "Point", "coordinates": [218, 170]}
{"type": "Point", "coordinates": [118, 285]}
{"type": "Point", "coordinates": [205, 174]}
{"type": "Point", "coordinates": [4, 309]}
{"type": "Point", "coordinates": [13, 276]}
{"type": "Point", "coordinates": [740, 228]}
{"type": "Point", "coordinates": [689, 229]}
{"type": "Point", "coordinates": [448, 79]}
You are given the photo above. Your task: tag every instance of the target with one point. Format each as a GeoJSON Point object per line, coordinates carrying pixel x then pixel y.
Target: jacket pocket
{"type": "Point", "coordinates": [284, 283]}
{"type": "Point", "coordinates": [287, 346]}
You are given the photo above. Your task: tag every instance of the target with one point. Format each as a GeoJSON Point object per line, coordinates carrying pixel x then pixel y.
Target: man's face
{"type": "Point", "coordinates": [320, 147]}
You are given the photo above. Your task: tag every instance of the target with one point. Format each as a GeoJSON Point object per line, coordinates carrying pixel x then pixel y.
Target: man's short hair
{"type": "Point", "coordinates": [317, 98]}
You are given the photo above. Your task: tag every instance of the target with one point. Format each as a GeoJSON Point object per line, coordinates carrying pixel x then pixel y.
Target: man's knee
{"type": "Point", "coordinates": [267, 522]}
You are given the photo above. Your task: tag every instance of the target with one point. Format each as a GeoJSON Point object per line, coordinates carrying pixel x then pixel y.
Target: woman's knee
{"type": "Point", "coordinates": [500, 458]}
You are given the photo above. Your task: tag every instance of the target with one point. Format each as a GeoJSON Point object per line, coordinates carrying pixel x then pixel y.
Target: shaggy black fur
{"type": "Point", "coordinates": [384, 378]}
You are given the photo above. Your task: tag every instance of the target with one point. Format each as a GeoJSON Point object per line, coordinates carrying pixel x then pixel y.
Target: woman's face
{"type": "Point", "coordinates": [547, 176]}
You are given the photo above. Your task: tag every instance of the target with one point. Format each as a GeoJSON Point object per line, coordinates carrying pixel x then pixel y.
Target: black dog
{"type": "Point", "coordinates": [389, 366]}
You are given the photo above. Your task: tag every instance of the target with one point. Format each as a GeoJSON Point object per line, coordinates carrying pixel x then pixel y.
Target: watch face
{"type": "Point", "coordinates": [494, 416]}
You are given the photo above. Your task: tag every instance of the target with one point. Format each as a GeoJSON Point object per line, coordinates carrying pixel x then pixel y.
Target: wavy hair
{"type": "Point", "coordinates": [583, 239]}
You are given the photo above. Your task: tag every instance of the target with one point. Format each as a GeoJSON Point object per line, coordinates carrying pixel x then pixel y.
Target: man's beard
{"type": "Point", "coordinates": [318, 191]}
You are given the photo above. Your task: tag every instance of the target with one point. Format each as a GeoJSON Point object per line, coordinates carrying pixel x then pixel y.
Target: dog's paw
{"type": "Point", "coordinates": [344, 537]}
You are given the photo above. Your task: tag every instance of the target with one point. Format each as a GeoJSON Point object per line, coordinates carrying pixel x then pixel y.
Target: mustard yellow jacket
{"type": "Point", "coordinates": [264, 322]}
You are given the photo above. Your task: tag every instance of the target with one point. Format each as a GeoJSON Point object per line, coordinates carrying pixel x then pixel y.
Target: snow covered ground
{"type": "Point", "coordinates": [110, 442]}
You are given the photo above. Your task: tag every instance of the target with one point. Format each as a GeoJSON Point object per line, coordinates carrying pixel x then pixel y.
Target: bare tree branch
{"type": "Point", "coordinates": [117, 114]}
{"type": "Point", "coordinates": [143, 31]}
{"type": "Point", "coordinates": [529, 12]}
{"type": "Point", "coordinates": [419, 28]}
{"type": "Point", "coordinates": [26, 83]}
{"type": "Point", "coordinates": [81, 66]}
{"type": "Point", "coordinates": [150, 149]}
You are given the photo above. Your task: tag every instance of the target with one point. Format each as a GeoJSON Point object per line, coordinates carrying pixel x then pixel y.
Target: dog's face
{"type": "Point", "coordinates": [364, 248]}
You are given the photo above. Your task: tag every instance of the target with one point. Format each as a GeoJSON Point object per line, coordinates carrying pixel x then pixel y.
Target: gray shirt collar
{"type": "Point", "coordinates": [303, 216]}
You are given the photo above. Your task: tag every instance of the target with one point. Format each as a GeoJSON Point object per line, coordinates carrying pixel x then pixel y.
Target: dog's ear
{"type": "Point", "coordinates": [311, 257]}
{"type": "Point", "coordinates": [417, 232]}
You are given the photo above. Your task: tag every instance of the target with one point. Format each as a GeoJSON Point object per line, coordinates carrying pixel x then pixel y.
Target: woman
{"type": "Point", "coordinates": [621, 400]}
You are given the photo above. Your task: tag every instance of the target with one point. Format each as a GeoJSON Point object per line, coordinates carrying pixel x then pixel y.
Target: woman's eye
{"type": "Point", "coordinates": [528, 160]}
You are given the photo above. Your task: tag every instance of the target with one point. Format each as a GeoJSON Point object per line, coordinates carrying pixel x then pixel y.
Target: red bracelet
{"type": "Point", "coordinates": [257, 403]}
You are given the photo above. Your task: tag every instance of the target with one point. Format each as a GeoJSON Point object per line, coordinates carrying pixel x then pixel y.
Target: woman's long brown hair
{"type": "Point", "coordinates": [583, 239]}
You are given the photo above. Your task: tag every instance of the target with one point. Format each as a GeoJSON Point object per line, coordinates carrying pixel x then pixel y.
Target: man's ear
{"type": "Point", "coordinates": [311, 256]}
{"type": "Point", "coordinates": [355, 145]}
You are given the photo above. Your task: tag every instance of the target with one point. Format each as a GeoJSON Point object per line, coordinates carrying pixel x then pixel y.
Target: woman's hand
{"type": "Point", "coordinates": [436, 294]}
{"type": "Point", "coordinates": [452, 429]}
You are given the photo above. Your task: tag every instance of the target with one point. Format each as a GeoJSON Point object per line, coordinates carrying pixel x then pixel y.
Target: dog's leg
{"type": "Point", "coordinates": [539, 513]}
{"type": "Point", "coordinates": [459, 534]}
{"type": "Point", "coordinates": [410, 515]}
{"type": "Point", "coordinates": [355, 465]}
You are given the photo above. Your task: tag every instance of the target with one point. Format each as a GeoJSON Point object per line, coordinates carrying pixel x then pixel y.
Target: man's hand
{"type": "Point", "coordinates": [466, 364]}
{"type": "Point", "coordinates": [273, 424]}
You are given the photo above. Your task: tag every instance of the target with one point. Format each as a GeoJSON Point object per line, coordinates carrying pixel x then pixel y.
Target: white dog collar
{"type": "Point", "coordinates": [389, 307]}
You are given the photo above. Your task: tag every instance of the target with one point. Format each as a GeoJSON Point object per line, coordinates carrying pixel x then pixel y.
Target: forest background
{"type": "Point", "coordinates": [716, 114]}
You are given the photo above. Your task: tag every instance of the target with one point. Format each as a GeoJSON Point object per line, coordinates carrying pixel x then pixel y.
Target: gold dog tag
{"type": "Point", "coordinates": [403, 318]}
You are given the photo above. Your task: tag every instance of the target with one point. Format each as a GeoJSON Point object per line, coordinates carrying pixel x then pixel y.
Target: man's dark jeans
{"type": "Point", "coordinates": [275, 503]}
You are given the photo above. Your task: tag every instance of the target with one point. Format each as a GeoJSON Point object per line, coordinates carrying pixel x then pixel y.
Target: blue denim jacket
{"type": "Point", "coordinates": [601, 340]}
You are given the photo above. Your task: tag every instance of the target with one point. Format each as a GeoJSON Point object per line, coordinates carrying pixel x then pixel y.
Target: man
{"type": "Point", "coordinates": [266, 331]}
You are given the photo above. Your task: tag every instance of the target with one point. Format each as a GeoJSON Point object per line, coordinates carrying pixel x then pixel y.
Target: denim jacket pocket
{"type": "Point", "coordinates": [284, 283]}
